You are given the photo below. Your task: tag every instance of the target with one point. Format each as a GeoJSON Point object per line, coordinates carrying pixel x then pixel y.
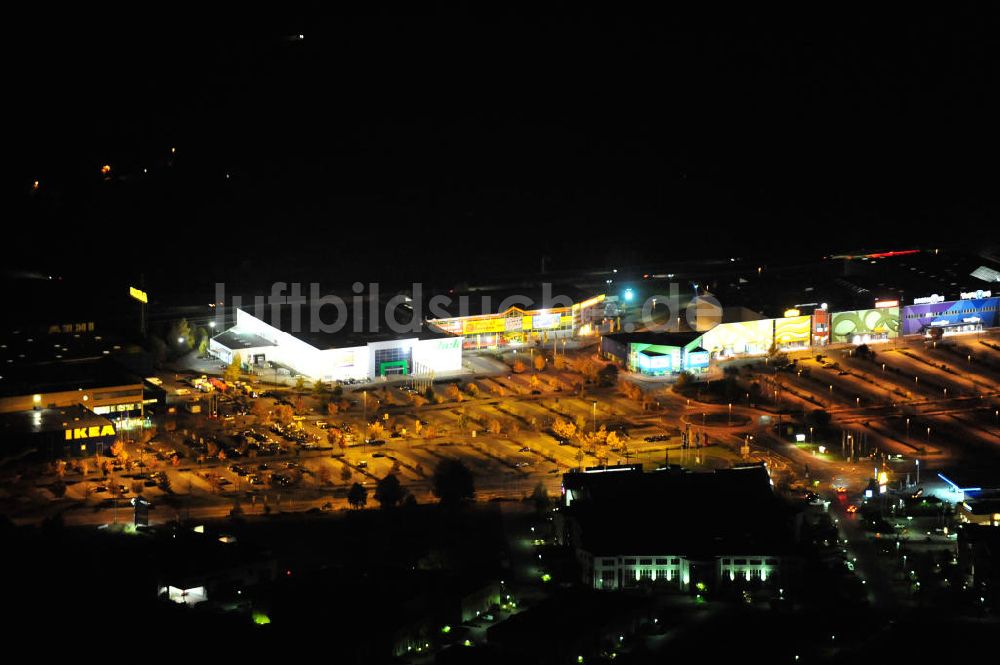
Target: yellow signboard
{"type": "Point", "coordinates": [137, 294]}
{"type": "Point", "coordinates": [477, 326]}
{"type": "Point", "coordinates": [89, 432]}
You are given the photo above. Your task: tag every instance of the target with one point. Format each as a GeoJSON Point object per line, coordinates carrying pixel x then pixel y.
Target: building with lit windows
{"type": "Point", "coordinates": [340, 355]}
{"type": "Point", "coordinates": [99, 384]}
{"type": "Point", "coordinates": [732, 532]}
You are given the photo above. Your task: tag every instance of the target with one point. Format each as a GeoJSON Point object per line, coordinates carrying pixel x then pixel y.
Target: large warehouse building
{"type": "Point", "coordinates": [338, 356]}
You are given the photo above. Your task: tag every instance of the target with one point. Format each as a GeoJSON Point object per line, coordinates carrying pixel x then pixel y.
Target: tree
{"type": "Point", "coordinates": [684, 379]}
{"type": "Point", "coordinates": [357, 496]}
{"type": "Point", "coordinates": [376, 432]}
{"type": "Point", "coordinates": [234, 369]}
{"type": "Point", "coordinates": [539, 362]}
{"type": "Point", "coordinates": [607, 375]}
{"type": "Point", "coordinates": [518, 367]}
{"type": "Point", "coordinates": [332, 408]}
{"type": "Point", "coordinates": [283, 414]}
{"type": "Point", "coordinates": [261, 411]}
{"type": "Point", "coordinates": [776, 355]}
{"type": "Point", "coordinates": [182, 335]}
{"type": "Point", "coordinates": [300, 383]}
{"type": "Point", "coordinates": [453, 482]}
{"type": "Point", "coordinates": [337, 391]}
{"type": "Point", "coordinates": [540, 497]}
{"type": "Point", "coordinates": [472, 389]}
{"type": "Point", "coordinates": [320, 387]}
{"type": "Point", "coordinates": [388, 492]}
{"type": "Point", "coordinates": [430, 395]}
{"type": "Point", "coordinates": [202, 336]}
{"type": "Point", "coordinates": [158, 348]}
{"type": "Point", "coordinates": [345, 474]}
{"type": "Point", "coordinates": [563, 429]}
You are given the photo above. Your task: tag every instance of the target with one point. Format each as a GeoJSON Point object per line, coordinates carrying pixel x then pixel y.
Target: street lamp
{"type": "Point", "coordinates": [907, 429]}
{"type": "Point", "coordinates": [730, 413]}
{"type": "Point", "coordinates": [364, 412]}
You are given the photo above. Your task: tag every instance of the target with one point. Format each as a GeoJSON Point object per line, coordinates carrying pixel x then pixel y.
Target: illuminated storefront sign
{"type": "Point", "coordinates": [89, 432]}
{"type": "Point", "coordinates": [928, 300]}
{"type": "Point", "coordinates": [543, 321]}
{"type": "Point", "coordinates": [976, 295]}
{"type": "Point", "coordinates": [865, 325]}
{"type": "Point", "coordinates": [515, 323]}
{"type": "Point", "coordinates": [479, 326]}
{"type": "Point", "coordinates": [138, 295]}
{"type": "Point", "coordinates": [82, 327]}
{"type": "Point", "coordinates": [882, 304]}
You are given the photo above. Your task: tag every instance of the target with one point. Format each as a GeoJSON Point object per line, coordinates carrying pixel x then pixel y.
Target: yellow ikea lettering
{"type": "Point", "coordinates": [89, 432]}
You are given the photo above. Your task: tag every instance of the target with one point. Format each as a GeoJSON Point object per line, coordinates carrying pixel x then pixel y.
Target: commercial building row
{"type": "Point", "coordinates": [655, 353]}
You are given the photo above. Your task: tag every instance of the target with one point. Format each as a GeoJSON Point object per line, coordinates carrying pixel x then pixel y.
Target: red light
{"type": "Point", "coordinates": [901, 252]}
{"type": "Point", "coordinates": [288, 573]}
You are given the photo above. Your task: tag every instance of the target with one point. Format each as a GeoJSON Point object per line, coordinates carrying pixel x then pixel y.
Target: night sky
{"type": "Point", "coordinates": [460, 146]}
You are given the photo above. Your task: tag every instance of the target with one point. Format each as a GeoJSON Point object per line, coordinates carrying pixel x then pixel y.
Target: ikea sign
{"type": "Point", "coordinates": [91, 432]}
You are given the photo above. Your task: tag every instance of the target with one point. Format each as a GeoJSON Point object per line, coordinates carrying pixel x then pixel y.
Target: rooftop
{"type": "Point", "coordinates": [498, 299]}
{"type": "Point", "coordinates": [672, 511]}
{"type": "Point", "coordinates": [678, 339]}
{"type": "Point", "coordinates": [350, 330]}
{"type": "Point", "coordinates": [60, 376]}
{"type": "Point", "coordinates": [236, 339]}
{"type": "Point", "coordinates": [40, 421]}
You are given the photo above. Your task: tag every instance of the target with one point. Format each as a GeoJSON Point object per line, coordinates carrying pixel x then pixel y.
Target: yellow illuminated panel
{"type": "Point", "coordinates": [478, 326]}
{"type": "Point", "coordinates": [137, 294]}
{"type": "Point", "coordinates": [792, 330]}
{"type": "Point", "coordinates": [588, 303]}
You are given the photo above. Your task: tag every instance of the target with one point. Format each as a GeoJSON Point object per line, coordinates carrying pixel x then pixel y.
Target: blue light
{"type": "Point", "coordinates": [957, 488]}
{"type": "Point", "coordinates": [628, 294]}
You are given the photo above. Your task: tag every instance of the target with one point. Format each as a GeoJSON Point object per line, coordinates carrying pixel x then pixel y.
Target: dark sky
{"type": "Point", "coordinates": [471, 145]}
